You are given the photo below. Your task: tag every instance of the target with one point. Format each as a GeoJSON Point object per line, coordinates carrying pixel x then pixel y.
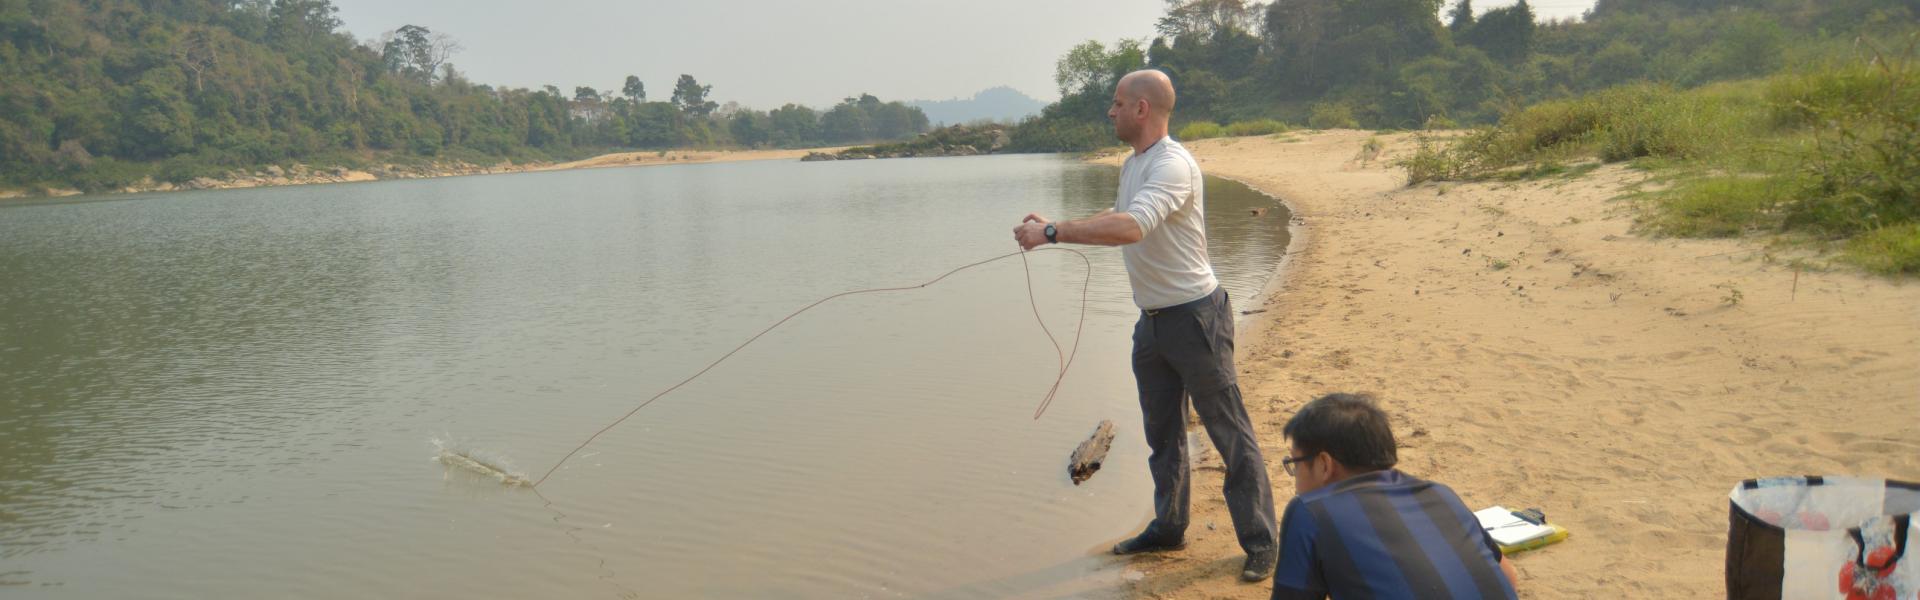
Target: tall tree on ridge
{"type": "Point", "coordinates": [1506, 33]}
{"type": "Point", "coordinates": [299, 25]}
{"type": "Point", "coordinates": [634, 90]}
{"type": "Point", "coordinates": [417, 52]}
{"type": "Point", "coordinates": [691, 97]}
{"type": "Point", "coordinates": [1461, 17]}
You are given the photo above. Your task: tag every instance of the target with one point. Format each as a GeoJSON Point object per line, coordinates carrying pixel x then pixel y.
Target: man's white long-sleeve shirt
{"type": "Point", "coordinates": [1163, 191]}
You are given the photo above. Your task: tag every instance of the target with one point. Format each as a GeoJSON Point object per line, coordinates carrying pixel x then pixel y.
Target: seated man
{"type": "Point", "coordinates": [1358, 528]}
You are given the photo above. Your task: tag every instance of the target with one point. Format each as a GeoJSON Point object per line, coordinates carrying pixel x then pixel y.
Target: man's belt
{"type": "Point", "coordinates": [1190, 306]}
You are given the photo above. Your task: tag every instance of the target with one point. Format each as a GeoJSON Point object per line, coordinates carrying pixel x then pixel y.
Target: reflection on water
{"type": "Point", "coordinates": [232, 393]}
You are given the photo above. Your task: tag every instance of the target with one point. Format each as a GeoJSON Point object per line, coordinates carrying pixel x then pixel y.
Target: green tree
{"type": "Point", "coordinates": [1297, 33]}
{"type": "Point", "coordinates": [1621, 61]}
{"type": "Point", "coordinates": [1746, 46]}
{"type": "Point", "coordinates": [417, 52]}
{"type": "Point", "coordinates": [301, 25]}
{"type": "Point", "coordinates": [160, 122]}
{"type": "Point", "coordinates": [1453, 86]}
{"type": "Point", "coordinates": [1089, 68]}
{"type": "Point", "coordinates": [1323, 44]}
{"type": "Point", "coordinates": [1206, 18]}
{"type": "Point", "coordinates": [1201, 93]}
{"type": "Point", "coordinates": [749, 128]}
{"type": "Point", "coordinates": [197, 53]}
{"type": "Point", "coordinates": [1506, 33]}
{"type": "Point", "coordinates": [866, 118]}
{"type": "Point", "coordinates": [691, 97]}
{"type": "Point", "coordinates": [655, 125]}
{"type": "Point", "coordinates": [893, 120]}
{"type": "Point", "coordinates": [1083, 67]}
{"type": "Point", "coordinates": [846, 123]}
{"type": "Point", "coordinates": [634, 90]}
{"type": "Point", "coordinates": [793, 125]}
{"type": "Point", "coordinates": [1460, 19]}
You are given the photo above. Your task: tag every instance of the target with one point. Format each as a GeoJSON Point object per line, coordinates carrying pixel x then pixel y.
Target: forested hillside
{"type": "Point", "coordinates": [97, 94]}
{"type": "Point", "coordinates": [1409, 64]}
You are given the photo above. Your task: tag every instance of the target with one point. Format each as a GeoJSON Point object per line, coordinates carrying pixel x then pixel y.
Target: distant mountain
{"type": "Point", "coordinates": [1000, 103]}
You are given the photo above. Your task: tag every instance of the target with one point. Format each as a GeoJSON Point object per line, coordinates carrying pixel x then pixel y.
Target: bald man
{"type": "Point", "coordinates": [1183, 342]}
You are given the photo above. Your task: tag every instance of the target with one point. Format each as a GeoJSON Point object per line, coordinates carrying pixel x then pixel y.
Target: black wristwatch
{"type": "Point", "coordinates": [1051, 232]}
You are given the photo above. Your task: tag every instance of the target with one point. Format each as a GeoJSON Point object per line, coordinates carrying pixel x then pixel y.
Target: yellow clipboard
{"type": "Point", "coordinates": [1559, 535]}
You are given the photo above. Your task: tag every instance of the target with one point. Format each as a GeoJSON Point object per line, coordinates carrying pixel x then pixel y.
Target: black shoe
{"type": "Point", "coordinates": [1144, 543]}
{"type": "Point", "coordinates": [1260, 565]}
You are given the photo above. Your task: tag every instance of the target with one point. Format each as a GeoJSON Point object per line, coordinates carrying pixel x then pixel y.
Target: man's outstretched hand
{"type": "Point", "coordinates": [1032, 232]}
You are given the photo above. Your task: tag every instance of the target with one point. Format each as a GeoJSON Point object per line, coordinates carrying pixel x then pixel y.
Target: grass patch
{"type": "Point", "coordinates": [1332, 115]}
{"type": "Point", "coordinates": [1433, 161]}
{"type": "Point", "coordinates": [1887, 251]}
{"type": "Point", "coordinates": [1719, 207]}
{"type": "Point", "coordinates": [1578, 170]}
{"type": "Point", "coordinates": [1200, 130]}
{"type": "Point", "coordinates": [1371, 149]}
{"type": "Point", "coordinates": [1613, 125]}
{"type": "Point", "coordinates": [1256, 127]}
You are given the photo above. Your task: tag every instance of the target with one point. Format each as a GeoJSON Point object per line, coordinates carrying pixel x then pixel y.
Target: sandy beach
{"type": "Point", "coordinates": [656, 157]}
{"type": "Point", "coordinates": [1536, 351]}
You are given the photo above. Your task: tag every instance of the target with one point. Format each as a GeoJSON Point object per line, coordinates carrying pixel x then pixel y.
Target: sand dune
{"type": "Point", "coordinates": [1536, 351]}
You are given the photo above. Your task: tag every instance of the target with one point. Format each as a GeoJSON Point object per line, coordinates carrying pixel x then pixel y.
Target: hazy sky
{"type": "Point", "coordinates": [766, 53]}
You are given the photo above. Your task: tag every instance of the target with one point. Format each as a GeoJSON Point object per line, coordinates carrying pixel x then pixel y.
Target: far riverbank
{"type": "Point", "coordinates": [273, 175]}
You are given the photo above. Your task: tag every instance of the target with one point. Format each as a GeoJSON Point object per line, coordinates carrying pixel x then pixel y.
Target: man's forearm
{"type": "Point", "coordinates": [1105, 229]}
{"type": "Point", "coordinates": [1513, 575]}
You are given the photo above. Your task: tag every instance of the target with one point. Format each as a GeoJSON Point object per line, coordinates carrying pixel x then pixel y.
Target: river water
{"type": "Point", "coordinates": [241, 393]}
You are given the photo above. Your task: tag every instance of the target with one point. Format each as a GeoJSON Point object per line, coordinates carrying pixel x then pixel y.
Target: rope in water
{"type": "Point", "coordinates": [1065, 356]}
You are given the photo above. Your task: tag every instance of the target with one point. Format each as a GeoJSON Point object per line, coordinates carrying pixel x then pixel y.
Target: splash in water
{"type": "Point", "coordinates": [478, 462]}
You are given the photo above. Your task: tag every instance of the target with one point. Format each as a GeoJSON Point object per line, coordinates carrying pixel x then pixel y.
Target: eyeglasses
{"type": "Point", "coordinates": [1290, 463]}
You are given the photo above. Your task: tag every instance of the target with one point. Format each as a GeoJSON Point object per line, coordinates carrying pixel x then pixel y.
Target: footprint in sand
{"type": "Point", "coordinates": [1882, 447]}
{"type": "Point", "coordinates": [1741, 435]}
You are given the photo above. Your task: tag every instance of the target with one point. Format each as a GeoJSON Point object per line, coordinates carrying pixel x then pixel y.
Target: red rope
{"type": "Point", "coordinates": [1065, 358]}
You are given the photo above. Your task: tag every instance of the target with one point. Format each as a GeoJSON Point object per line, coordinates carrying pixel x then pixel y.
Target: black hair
{"type": "Point", "coordinates": [1349, 427]}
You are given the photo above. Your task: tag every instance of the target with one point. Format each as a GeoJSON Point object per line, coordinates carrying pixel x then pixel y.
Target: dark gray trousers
{"type": "Point", "coordinates": [1186, 352]}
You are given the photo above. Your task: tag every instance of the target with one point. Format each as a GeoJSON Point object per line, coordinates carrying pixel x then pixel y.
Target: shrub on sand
{"type": "Point", "coordinates": [1332, 115]}
{"type": "Point", "coordinates": [1200, 130]}
{"type": "Point", "coordinates": [1888, 250]}
{"type": "Point", "coordinates": [1256, 127]}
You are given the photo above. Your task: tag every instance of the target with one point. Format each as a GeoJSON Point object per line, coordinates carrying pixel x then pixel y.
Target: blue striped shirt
{"type": "Point", "coordinates": [1385, 535]}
